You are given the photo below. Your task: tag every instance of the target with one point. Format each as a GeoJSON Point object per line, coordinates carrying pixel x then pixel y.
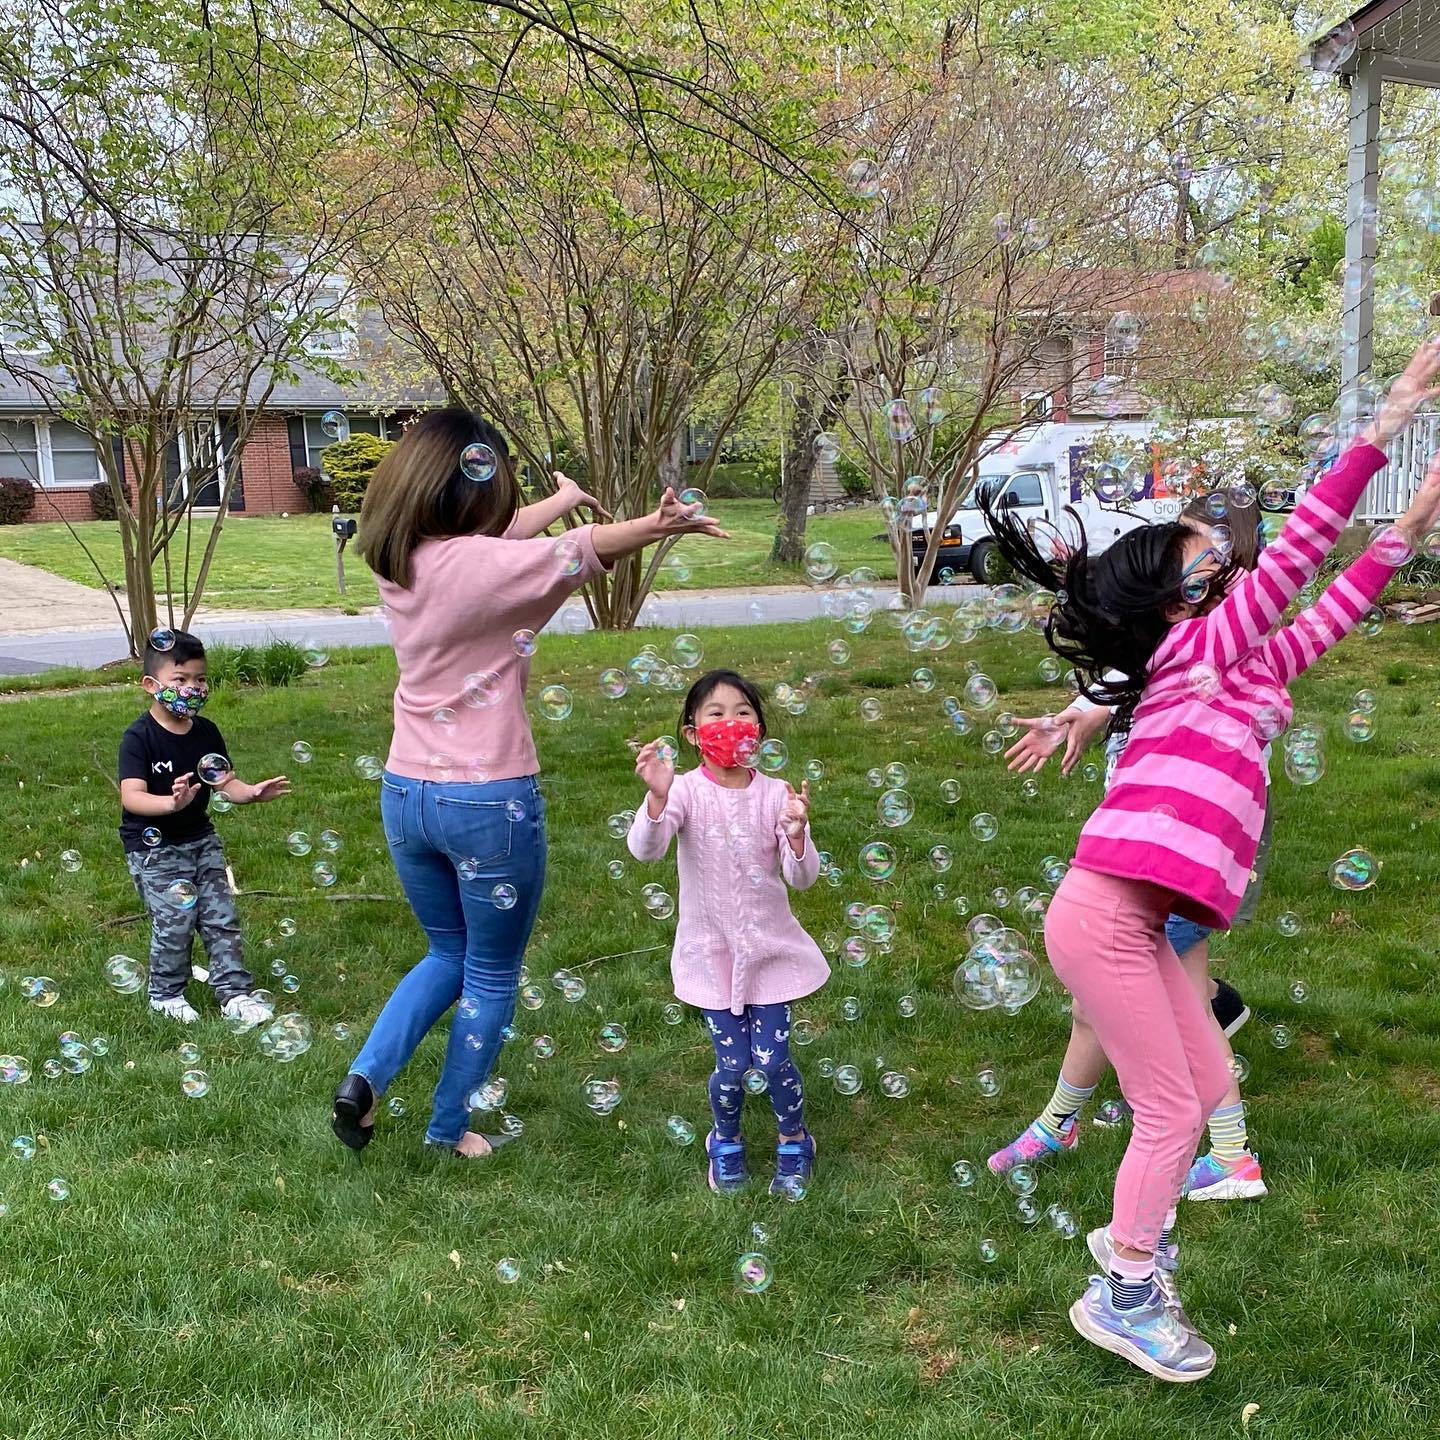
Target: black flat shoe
{"type": "Point", "coordinates": [354, 1099]}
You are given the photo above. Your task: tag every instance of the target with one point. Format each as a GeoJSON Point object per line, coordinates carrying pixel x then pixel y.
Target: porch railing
{"type": "Point", "coordinates": [1389, 492]}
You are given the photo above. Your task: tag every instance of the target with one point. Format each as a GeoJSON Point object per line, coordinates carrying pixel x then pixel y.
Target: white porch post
{"type": "Point", "coordinates": [1362, 176]}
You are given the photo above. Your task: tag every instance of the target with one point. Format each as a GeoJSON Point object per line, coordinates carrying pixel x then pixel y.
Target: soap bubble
{"type": "Point", "coordinates": [923, 680]}
{"type": "Point", "coordinates": [1299, 991]}
{"type": "Point", "coordinates": [815, 770]}
{"type": "Point", "coordinates": [522, 642]}
{"type": "Point", "coordinates": [894, 1085]}
{"type": "Point", "coordinates": [981, 691]}
{"type": "Point", "coordinates": [195, 1084]}
{"type": "Point", "coordinates": [322, 872]}
{"type": "Point", "coordinates": [302, 752]}
{"type": "Point", "coordinates": [839, 652]}
{"type": "Point", "coordinates": [481, 689]}
{"type": "Point", "coordinates": [70, 861]}
{"type": "Point", "coordinates": [820, 562]}
{"type": "Point", "coordinates": [870, 710]}
{"type": "Point", "coordinates": [613, 1037]}
{"type": "Point", "coordinates": [941, 858]}
{"type": "Point", "coordinates": [1280, 1036]}
{"type": "Point", "coordinates": [877, 860]}
{"type": "Point", "coordinates": [984, 827]}
{"type": "Point", "coordinates": [151, 836]}
{"type": "Point", "coordinates": [679, 1131]}
{"type": "Point", "coordinates": [1364, 700]}
{"type": "Point", "coordinates": [987, 1082]}
{"type": "Point", "coordinates": [531, 997]}
{"type": "Point", "coordinates": [755, 1082]}
{"type": "Point", "coordinates": [802, 1032]}
{"type": "Point", "coordinates": [555, 702]}
{"type": "Point", "coordinates": [286, 1037]}
{"type": "Point", "coordinates": [989, 1251]}
{"type": "Point", "coordinates": [1111, 1114]}
{"type": "Point", "coordinates": [507, 1270]}
{"type": "Point", "coordinates": [1356, 869]}
{"type": "Point", "coordinates": [688, 651]}
{"type": "Point", "coordinates": [673, 1013]}
{"type": "Point", "coordinates": [1360, 726]}
{"type": "Point", "coordinates": [950, 791]}
{"type": "Point", "coordinates": [330, 841]}
{"type": "Point", "coordinates": [1288, 923]}
{"type": "Point", "coordinates": [162, 638]}
{"type": "Point", "coordinates": [772, 755]}
{"type": "Point", "coordinates": [601, 1096]}
{"type": "Point", "coordinates": [963, 1174]}
{"type": "Point", "coordinates": [1022, 1179]}
{"type": "Point", "coordinates": [895, 808]}
{"type": "Point", "coordinates": [847, 1079]}
{"type": "Point", "coordinates": [124, 974]}
{"type": "Point", "coordinates": [334, 426]}
{"type": "Point", "coordinates": [182, 894]}
{"type": "Point", "coordinates": [214, 769]}
{"type": "Point", "coordinates": [478, 462]}
{"type": "Point", "coordinates": [58, 1190]}
{"type": "Point", "coordinates": [753, 1273]}
{"type": "Point", "coordinates": [503, 896]}
{"type": "Point", "coordinates": [314, 654]}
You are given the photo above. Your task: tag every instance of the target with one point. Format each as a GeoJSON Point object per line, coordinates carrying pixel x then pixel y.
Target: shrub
{"type": "Point", "coordinates": [102, 501]}
{"type": "Point", "coordinates": [348, 466]}
{"type": "Point", "coordinates": [854, 478]}
{"type": "Point", "coordinates": [17, 499]}
{"type": "Point", "coordinates": [318, 490]}
{"type": "Point", "coordinates": [277, 663]}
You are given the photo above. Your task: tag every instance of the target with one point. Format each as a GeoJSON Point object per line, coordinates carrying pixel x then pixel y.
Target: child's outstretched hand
{"type": "Point", "coordinates": [1042, 738]}
{"type": "Point", "coordinates": [657, 772]}
{"type": "Point", "coordinates": [576, 497]}
{"type": "Point", "coordinates": [263, 790]}
{"type": "Point", "coordinates": [1412, 388]}
{"type": "Point", "coordinates": [183, 791]}
{"type": "Point", "coordinates": [796, 812]}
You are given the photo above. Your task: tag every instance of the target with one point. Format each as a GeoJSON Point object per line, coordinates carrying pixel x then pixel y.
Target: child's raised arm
{"type": "Point", "coordinates": [1250, 611]}
{"type": "Point", "coordinates": [663, 812]}
{"type": "Point", "coordinates": [799, 859]}
{"type": "Point", "coordinates": [1294, 648]}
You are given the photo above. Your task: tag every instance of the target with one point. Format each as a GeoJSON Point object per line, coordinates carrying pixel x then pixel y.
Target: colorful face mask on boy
{"type": "Point", "coordinates": [183, 701]}
{"type": "Point", "coordinates": [728, 743]}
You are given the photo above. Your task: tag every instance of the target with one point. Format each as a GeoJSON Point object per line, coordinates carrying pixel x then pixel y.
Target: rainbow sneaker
{"type": "Point", "coordinates": [1038, 1142]}
{"type": "Point", "coordinates": [1149, 1336]}
{"type": "Point", "coordinates": [1212, 1179]}
{"type": "Point", "coordinates": [1167, 1265]}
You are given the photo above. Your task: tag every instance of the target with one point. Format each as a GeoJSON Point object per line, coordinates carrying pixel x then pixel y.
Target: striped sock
{"type": "Point", "coordinates": [1064, 1105]}
{"type": "Point", "coordinates": [1132, 1282]}
{"type": "Point", "coordinates": [1227, 1134]}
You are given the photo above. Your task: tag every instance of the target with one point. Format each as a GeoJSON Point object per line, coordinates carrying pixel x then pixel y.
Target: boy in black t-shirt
{"type": "Point", "coordinates": [170, 760]}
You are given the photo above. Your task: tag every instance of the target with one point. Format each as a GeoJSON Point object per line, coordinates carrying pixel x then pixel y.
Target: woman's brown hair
{"type": "Point", "coordinates": [419, 492]}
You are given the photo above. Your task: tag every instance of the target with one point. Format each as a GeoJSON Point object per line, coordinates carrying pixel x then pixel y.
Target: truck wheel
{"type": "Point", "coordinates": [987, 564]}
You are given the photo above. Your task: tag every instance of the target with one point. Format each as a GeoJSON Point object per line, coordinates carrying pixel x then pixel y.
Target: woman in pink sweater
{"type": "Point", "coordinates": [1203, 662]}
{"type": "Point", "coordinates": [740, 955]}
{"type": "Point", "coordinates": [467, 581]}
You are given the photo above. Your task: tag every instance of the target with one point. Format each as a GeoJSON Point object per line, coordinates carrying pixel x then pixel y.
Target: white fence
{"type": "Point", "coordinates": [1389, 492]}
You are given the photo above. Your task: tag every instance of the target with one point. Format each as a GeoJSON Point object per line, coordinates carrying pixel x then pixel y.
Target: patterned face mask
{"type": "Point", "coordinates": [728, 743]}
{"type": "Point", "coordinates": [184, 701]}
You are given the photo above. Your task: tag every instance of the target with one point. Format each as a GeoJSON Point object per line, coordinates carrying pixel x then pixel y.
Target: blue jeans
{"type": "Point", "coordinates": [452, 845]}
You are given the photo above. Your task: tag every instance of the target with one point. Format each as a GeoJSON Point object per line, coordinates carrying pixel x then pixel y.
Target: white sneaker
{"type": "Point", "coordinates": [246, 1009]}
{"type": "Point", "coordinates": [200, 974]}
{"type": "Point", "coordinates": [177, 1008]}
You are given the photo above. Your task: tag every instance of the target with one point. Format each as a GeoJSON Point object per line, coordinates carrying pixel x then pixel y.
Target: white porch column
{"type": "Point", "coordinates": [1362, 177]}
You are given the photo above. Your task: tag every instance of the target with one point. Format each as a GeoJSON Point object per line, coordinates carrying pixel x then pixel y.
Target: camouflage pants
{"type": "Point", "coordinates": [173, 926]}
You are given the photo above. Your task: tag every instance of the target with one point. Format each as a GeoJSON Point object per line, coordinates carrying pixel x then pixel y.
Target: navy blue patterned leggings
{"type": "Point", "coordinates": [757, 1040]}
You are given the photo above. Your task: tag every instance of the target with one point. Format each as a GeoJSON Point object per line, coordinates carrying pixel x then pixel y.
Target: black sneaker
{"type": "Point", "coordinates": [1230, 1010]}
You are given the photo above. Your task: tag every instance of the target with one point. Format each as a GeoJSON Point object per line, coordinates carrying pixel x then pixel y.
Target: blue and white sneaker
{"type": "Point", "coordinates": [728, 1172]}
{"type": "Point", "coordinates": [1167, 1266]}
{"type": "Point", "coordinates": [794, 1165]}
{"type": "Point", "coordinates": [1149, 1336]}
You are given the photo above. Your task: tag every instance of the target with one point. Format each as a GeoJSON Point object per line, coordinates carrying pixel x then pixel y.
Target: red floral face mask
{"type": "Point", "coordinates": [728, 743]}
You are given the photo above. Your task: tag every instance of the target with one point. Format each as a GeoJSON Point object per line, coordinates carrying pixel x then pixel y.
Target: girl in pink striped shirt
{"type": "Point", "coordinates": [1204, 664]}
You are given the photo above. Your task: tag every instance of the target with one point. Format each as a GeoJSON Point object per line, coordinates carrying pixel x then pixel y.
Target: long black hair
{"type": "Point", "coordinates": [1110, 609]}
{"type": "Point", "coordinates": [708, 684]}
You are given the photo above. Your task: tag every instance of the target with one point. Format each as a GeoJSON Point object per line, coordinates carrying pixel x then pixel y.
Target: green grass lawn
{"type": "Point", "coordinates": [224, 1269]}
{"type": "Point", "coordinates": [270, 563]}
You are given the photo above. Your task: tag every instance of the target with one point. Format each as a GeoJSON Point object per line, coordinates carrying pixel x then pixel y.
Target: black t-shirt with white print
{"type": "Point", "coordinates": [150, 752]}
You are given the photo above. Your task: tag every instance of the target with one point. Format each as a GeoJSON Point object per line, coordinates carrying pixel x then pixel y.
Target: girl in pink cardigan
{"type": "Point", "coordinates": [740, 955]}
{"type": "Point", "coordinates": [1203, 665]}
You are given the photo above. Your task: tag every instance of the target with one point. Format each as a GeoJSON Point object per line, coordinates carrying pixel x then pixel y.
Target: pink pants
{"type": "Point", "coordinates": [1106, 940]}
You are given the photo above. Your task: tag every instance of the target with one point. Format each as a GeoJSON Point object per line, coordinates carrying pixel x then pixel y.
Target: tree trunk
{"type": "Point", "coordinates": [672, 463]}
{"type": "Point", "coordinates": [789, 546]}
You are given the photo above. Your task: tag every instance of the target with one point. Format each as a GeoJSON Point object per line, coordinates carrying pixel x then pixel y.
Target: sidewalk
{"type": "Point", "coordinates": [47, 623]}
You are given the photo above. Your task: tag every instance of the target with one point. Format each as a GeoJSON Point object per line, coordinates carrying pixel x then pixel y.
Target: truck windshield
{"type": "Point", "coordinates": [990, 483]}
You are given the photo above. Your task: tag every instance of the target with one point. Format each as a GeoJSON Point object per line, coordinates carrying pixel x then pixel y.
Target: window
{"type": "Point", "coordinates": [1037, 404]}
{"type": "Point", "coordinates": [1025, 490]}
{"type": "Point", "coordinates": [316, 440]}
{"type": "Point", "coordinates": [329, 312]}
{"type": "Point", "coordinates": [19, 450]}
{"type": "Point", "coordinates": [29, 329]}
{"type": "Point", "coordinates": [73, 458]}
{"type": "Point", "coordinates": [49, 453]}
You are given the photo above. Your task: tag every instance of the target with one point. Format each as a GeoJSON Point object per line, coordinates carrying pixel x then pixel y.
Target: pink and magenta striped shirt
{"type": "Point", "coordinates": [1187, 802]}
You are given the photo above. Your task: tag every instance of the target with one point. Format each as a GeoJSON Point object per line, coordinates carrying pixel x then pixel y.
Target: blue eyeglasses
{"type": "Point", "coordinates": [1194, 588]}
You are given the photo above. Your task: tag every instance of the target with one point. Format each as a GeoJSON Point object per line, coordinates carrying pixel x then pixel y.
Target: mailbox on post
{"type": "Point", "coordinates": [343, 529]}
